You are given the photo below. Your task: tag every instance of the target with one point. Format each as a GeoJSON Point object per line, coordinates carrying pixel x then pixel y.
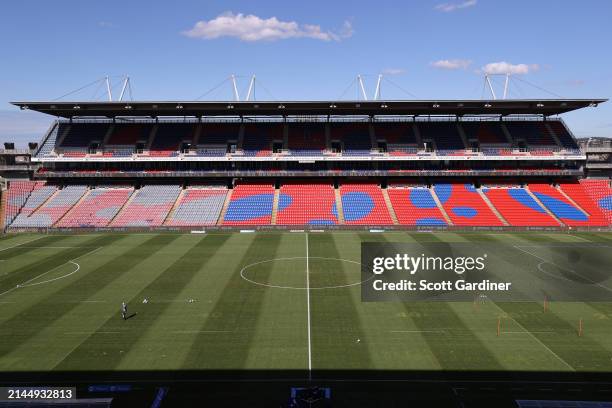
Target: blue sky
{"type": "Point", "coordinates": [304, 50]}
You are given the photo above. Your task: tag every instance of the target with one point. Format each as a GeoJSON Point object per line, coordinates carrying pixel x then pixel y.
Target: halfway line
{"type": "Point", "coordinates": [308, 307]}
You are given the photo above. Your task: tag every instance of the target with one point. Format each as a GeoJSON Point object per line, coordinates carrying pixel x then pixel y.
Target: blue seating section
{"type": "Point", "coordinates": [49, 144]}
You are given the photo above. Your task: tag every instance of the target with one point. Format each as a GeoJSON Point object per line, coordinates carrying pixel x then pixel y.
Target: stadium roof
{"type": "Point", "coordinates": [281, 108]}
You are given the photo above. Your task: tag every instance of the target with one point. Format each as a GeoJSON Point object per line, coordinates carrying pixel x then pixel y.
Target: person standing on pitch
{"type": "Point", "coordinates": [123, 311]}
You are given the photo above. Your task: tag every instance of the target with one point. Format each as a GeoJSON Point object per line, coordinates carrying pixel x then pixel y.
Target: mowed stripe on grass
{"type": "Point", "coordinates": [107, 346]}
{"type": "Point", "coordinates": [74, 323]}
{"type": "Point", "coordinates": [335, 323]}
{"type": "Point", "coordinates": [225, 338]}
{"type": "Point", "coordinates": [54, 305]}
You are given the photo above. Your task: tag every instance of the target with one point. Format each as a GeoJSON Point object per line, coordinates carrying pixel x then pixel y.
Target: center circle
{"type": "Point", "coordinates": [323, 273]}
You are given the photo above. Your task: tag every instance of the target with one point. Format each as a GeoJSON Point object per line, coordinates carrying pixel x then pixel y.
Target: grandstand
{"type": "Point", "coordinates": [315, 181]}
{"type": "Point", "coordinates": [396, 164]}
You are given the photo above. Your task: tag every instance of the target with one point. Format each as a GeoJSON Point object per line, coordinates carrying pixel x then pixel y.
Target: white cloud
{"type": "Point", "coordinates": [507, 68]}
{"type": "Point", "coordinates": [393, 71]}
{"type": "Point", "coordinates": [451, 64]}
{"type": "Point", "coordinates": [449, 7]}
{"type": "Point", "coordinates": [253, 28]}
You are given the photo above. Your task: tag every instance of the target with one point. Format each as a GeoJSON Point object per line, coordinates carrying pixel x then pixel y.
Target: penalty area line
{"type": "Point", "coordinates": [28, 284]}
{"type": "Point", "coordinates": [18, 245]}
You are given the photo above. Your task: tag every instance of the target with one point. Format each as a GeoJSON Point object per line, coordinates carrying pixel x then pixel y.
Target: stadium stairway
{"type": "Point", "coordinates": [62, 136]}
{"type": "Point", "coordinates": [275, 205]}
{"type": "Point", "coordinates": [44, 202]}
{"type": "Point", "coordinates": [151, 137]}
{"type": "Point", "coordinates": [415, 206]}
{"type": "Point", "coordinates": [71, 210]}
{"type": "Point", "coordinates": [150, 206]}
{"type": "Point", "coordinates": [440, 206]}
{"type": "Point", "coordinates": [47, 214]}
{"type": "Point", "coordinates": [552, 134]}
{"type": "Point", "coordinates": [537, 200]}
{"type": "Point", "coordinates": [461, 132]}
{"type": "Point", "coordinates": [124, 206]}
{"type": "Point", "coordinates": [492, 207]}
{"type": "Point", "coordinates": [573, 207]}
{"type": "Point", "coordinates": [228, 199]}
{"type": "Point", "coordinates": [339, 209]}
{"type": "Point", "coordinates": [3, 205]}
{"type": "Point", "coordinates": [506, 132]}
{"type": "Point", "coordinates": [518, 207]}
{"type": "Point", "coordinates": [17, 195]}
{"type": "Point", "coordinates": [96, 209]}
{"type": "Point", "coordinates": [571, 200]}
{"type": "Point", "coordinates": [35, 199]}
{"type": "Point", "coordinates": [108, 134]}
{"type": "Point", "coordinates": [390, 208]}
{"type": "Point", "coordinates": [464, 206]}
{"type": "Point", "coordinates": [174, 207]}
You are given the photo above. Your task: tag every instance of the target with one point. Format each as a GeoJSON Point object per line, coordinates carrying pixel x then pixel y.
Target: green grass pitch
{"type": "Point", "coordinates": [60, 297]}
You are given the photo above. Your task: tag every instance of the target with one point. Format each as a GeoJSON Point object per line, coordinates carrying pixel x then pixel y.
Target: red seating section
{"type": "Point", "coordinates": [563, 208]}
{"type": "Point", "coordinates": [307, 203]}
{"type": "Point", "coordinates": [600, 192]}
{"type": "Point", "coordinates": [364, 204]}
{"type": "Point", "coordinates": [584, 203]}
{"type": "Point", "coordinates": [579, 194]}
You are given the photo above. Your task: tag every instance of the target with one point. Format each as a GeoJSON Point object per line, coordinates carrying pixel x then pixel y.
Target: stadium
{"type": "Point", "coordinates": [305, 204]}
{"type": "Point", "coordinates": [233, 231]}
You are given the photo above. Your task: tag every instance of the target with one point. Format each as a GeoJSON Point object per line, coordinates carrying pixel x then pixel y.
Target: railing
{"type": "Point", "coordinates": [307, 119]}
{"type": "Point", "coordinates": [306, 173]}
{"type": "Point", "coordinates": [318, 228]}
{"type": "Point", "coordinates": [16, 151]}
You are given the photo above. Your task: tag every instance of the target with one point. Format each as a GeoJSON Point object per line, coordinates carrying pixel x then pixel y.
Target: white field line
{"type": "Point", "coordinates": [25, 284]}
{"type": "Point", "coordinates": [23, 243]}
{"type": "Point", "coordinates": [201, 331]}
{"type": "Point", "coordinates": [582, 238]}
{"type": "Point", "coordinates": [417, 331]}
{"type": "Point", "coordinates": [8, 291]}
{"type": "Point", "coordinates": [567, 245]}
{"type": "Point", "coordinates": [308, 307]}
{"type": "Point", "coordinates": [565, 269]}
{"type": "Point", "coordinates": [58, 247]}
{"type": "Point", "coordinates": [522, 332]}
